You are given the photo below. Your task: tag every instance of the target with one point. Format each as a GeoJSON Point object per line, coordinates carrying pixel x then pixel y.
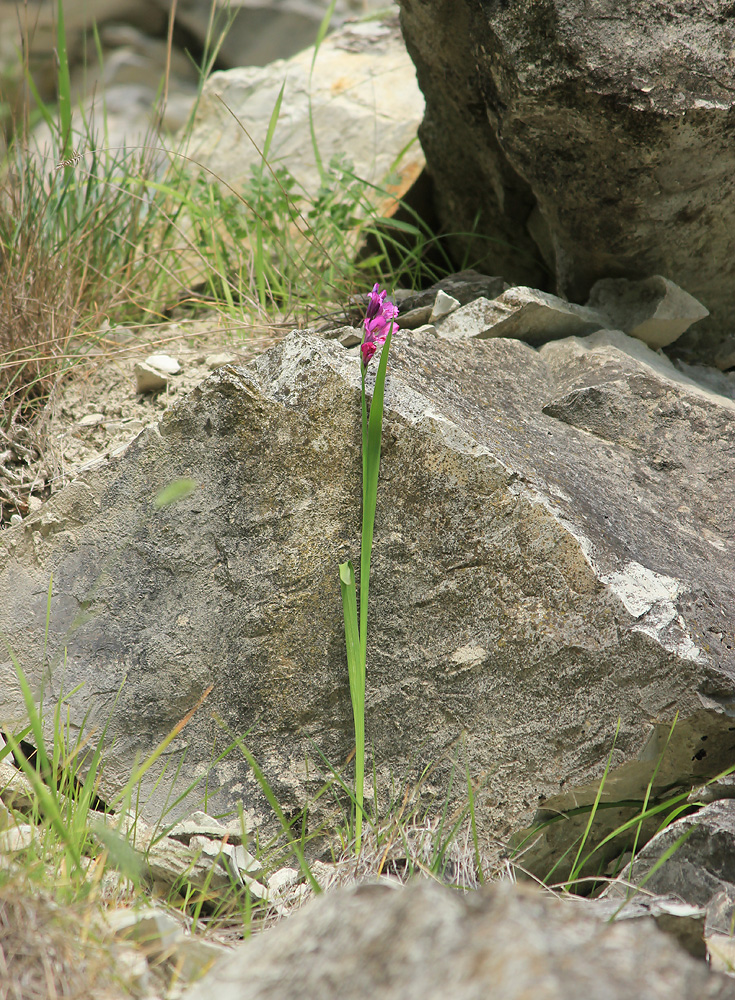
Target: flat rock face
{"type": "Point", "coordinates": [359, 95]}
{"type": "Point", "coordinates": [425, 942]}
{"type": "Point", "coordinates": [598, 140]}
{"type": "Point", "coordinates": [553, 552]}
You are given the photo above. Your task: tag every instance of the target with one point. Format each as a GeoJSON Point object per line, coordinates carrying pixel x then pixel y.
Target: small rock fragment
{"type": "Point", "coordinates": [16, 790]}
{"type": "Point", "coordinates": [718, 931]}
{"type": "Point", "coordinates": [284, 878]}
{"type": "Point", "coordinates": [213, 361]}
{"type": "Point", "coordinates": [414, 318]}
{"type": "Point", "coordinates": [92, 420]}
{"type": "Point", "coordinates": [200, 824]}
{"type": "Point", "coordinates": [163, 363]}
{"type": "Point", "coordinates": [725, 357]}
{"type": "Point", "coordinates": [148, 379]}
{"type": "Point", "coordinates": [443, 305]}
{"type": "Point", "coordinates": [15, 519]}
{"type": "Point", "coordinates": [155, 929]}
{"type": "Point", "coordinates": [16, 838]}
{"type": "Point", "coordinates": [654, 310]}
{"type": "Point", "coordinates": [347, 336]}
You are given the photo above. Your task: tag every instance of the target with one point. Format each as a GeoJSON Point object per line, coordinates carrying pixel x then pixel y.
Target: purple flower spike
{"type": "Point", "coordinates": [378, 320]}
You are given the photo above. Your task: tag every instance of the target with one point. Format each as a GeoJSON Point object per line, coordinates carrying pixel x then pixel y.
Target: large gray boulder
{"type": "Point", "coordinates": [553, 553]}
{"type": "Point", "coordinates": [425, 942]}
{"type": "Point", "coordinates": [595, 140]}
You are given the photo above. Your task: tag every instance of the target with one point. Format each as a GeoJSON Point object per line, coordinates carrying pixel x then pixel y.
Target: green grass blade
{"type": "Point", "coordinates": [34, 717]}
{"type": "Point", "coordinates": [473, 825]}
{"type": "Point", "coordinates": [356, 670]}
{"type": "Point", "coordinates": [576, 867]}
{"type": "Point", "coordinates": [320, 36]}
{"type": "Point", "coordinates": [275, 806]}
{"type": "Point", "coordinates": [177, 490]}
{"type": "Point", "coordinates": [64, 84]}
{"type": "Point", "coordinates": [272, 122]}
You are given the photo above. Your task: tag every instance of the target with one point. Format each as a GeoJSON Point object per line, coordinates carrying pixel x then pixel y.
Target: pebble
{"type": "Point", "coordinates": [443, 305]}
{"type": "Point", "coordinates": [148, 379]}
{"type": "Point", "coordinates": [213, 361]}
{"type": "Point", "coordinates": [91, 420]}
{"type": "Point", "coordinates": [163, 363]}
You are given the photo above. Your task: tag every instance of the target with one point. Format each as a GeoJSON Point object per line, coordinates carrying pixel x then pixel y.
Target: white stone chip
{"type": "Point", "coordinates": [164, 363]}
{"type": "Point", "coordinates": [443, 305]}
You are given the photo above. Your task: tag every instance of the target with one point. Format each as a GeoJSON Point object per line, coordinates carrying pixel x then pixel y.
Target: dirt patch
{"type": "Point", "coordinates": [96, 410]}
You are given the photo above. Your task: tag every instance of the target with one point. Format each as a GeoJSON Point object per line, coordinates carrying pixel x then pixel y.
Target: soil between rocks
{"type": "Point", "coordinates": [95, 411]}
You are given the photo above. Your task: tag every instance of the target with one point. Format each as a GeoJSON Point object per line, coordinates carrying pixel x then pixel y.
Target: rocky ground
{"type": "Point", "coordinates": [98, 409]}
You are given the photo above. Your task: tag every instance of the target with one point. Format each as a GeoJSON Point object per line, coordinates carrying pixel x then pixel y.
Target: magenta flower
{"type": "Point", "coordinates": [377, 323]}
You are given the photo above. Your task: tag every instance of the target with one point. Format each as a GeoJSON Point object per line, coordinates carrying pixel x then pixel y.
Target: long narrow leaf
{"type": "Point", "coordinates": [370, 488]}
{"type": "Point", "coordinates": [275, 806]}
{"type": "Point", "coordinates": [356, 671]}
{"type": "Point", "coordinates": [576, 867]}
{"type": "Point", "coordinates": [320, 36]}
{"type": "Point", "coordinates": [64, 84]}
{"type": "Point", "coordinates": [273, 121]}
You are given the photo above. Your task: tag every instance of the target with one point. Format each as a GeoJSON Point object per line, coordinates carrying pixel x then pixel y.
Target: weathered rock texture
{"type": "Point", "coordinates": [425, 942]}
{"type": "Point", "coordinates": [596, 138]}
{"type": "Point", "coordinates": [702, 866]}
{"type": "Point", "coordinates": [553, 552]}
{"type": "Point", "coordinates": [360, 97]}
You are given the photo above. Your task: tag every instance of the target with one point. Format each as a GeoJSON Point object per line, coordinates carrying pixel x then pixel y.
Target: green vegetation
{"type": "Point", "coordinates": [92, 236]}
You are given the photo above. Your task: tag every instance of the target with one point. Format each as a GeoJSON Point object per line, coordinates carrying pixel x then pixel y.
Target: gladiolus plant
{"type": "Point", "coordinates": [379, 326]}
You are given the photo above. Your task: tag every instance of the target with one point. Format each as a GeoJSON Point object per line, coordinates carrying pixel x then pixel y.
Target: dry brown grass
{"type": "Point", "coordinates": [49, 951]}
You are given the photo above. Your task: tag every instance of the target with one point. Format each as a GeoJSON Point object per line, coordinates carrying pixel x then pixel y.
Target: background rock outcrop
{"type": "Point", "coordinates": [358, 102]}
{"type": "Point", "coordinates": [596, 140]}
{"type": "Point", "coordinates": [553, 552]}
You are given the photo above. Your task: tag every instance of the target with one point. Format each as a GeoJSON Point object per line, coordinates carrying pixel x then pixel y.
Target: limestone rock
{"type": "Point", "coordinates": [199, 824]}
{"type": "Point", "coordinates": [148, 379]}
{"type": "Point", "coordinates": [654, 310]}
{"type": "Point", "coordinates": [553, 551]}
{"type": "Point", "coordinates": [589, 143]}
{"type": "Point", "coordinates": [523, 313]}
{"type": "Point", "coordinates": [362, 98]}
{"type": "Point", "coordinates": [702, 866]}
{"type": "Point", "coordinates": [426, 942]}
{"type": "Point", "coordinates": [443, 305]}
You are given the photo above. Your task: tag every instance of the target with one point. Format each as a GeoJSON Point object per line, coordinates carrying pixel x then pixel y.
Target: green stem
{"type": "Point", "coordinates": [364, 552]}
{"type": "Point", "coordinates": [356, 638]}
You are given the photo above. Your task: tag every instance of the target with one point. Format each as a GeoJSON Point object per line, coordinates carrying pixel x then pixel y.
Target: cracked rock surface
{"type": "Point", "coordinates": [553, 552]}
